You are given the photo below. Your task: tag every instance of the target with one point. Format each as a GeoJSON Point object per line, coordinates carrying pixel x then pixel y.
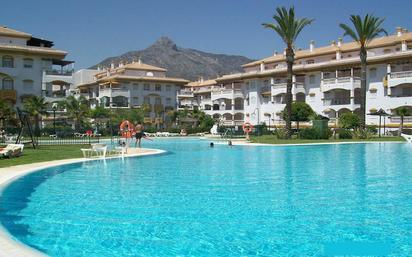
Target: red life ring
{"type": "Point", "coordinates": [126, 129]}
{"type": "Point", "coordinates": [247, 127]}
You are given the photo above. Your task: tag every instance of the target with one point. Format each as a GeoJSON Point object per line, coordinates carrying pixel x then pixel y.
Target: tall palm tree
{"type": "Point", "coordinates": [6, 113]}
{"type": "Point", "coordinates": [288, 27]}
{"type": "Point", "coordinates": [36, 106]}
{"type": "Point", "coordinates": [402, 112]}
{"type": "Point", "coordinates": [366, 29]}
{"type": "Point", "coordinates": [77, 109]}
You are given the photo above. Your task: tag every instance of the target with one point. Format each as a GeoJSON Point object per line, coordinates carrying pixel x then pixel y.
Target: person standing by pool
{"type": "Point", "coordinates": [139, 133]}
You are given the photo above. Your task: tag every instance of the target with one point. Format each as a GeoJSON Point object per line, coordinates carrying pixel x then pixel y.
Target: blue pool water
{"type": "Point", "coordinates": [241, 201]}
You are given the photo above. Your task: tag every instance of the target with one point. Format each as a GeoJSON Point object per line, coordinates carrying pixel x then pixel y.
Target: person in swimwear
{"type": "Point", "coordinates": [139, 133]}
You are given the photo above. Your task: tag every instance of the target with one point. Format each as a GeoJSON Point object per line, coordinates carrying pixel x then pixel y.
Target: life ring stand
{"type": "Point", "coordinates": [127, 129]}
{"type": "Point", "coordinates": [247, 127]}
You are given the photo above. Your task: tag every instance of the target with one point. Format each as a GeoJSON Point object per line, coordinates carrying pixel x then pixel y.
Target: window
{"type": "Point", "coordinates": [312, 79]}
{"type": "Point", "coordinates": [158, 87]}
{"type": "Point", "coordinates": [8, 61]}
{"type": "Point", "coordinates": [28, 63]}
{"type": "Point", "coordinates": [146, 87]}
{"type": "Point", "coordinates": [168, 101]}
{"type": "Point", "coordinates": [28, 84]}
{"type": "Point", "coordinates": [310, 61]}
{"type": "Point", "coordinates": [146, 100]}
{"type": "Point", "coordinates": [158, 100]}
{"type": "Point", "coordinates": [7, 83]}
{"type": "Point", "coordinates": [386, 51]}
{"type": "Point", "coordinates": [372, 73]}
{"type": "Point", "coordinates": [168, 88]}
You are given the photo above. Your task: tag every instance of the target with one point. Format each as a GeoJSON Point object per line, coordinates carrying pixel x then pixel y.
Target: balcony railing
{"type": "Point", "coordinates": [340, 80]}
{"type": "Point", "coordinates": [336, 101]}
{"type": "Point", "coordinates": [397, 119]}
{"type": "Point", "coordinates": [401, 74]}
{"type": "Point", "coordinates": [59, 72]}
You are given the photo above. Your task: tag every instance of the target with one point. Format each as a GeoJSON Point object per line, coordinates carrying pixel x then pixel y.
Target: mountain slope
{"type": "Point", "coordinates": [182, 62]}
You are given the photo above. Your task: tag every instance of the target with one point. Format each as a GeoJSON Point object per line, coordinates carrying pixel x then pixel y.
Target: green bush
{"type": "Point", "coordinates": [362, 134]}
{"type": "Point", "coordinates": [281, 133]}
{"type": "Point", "coordinates": [349, 120]}
{"type": "Point", "coordinates": [311, 133]}
{"type": "Point", "coordinates": [372, 129]}
{"type": "Point", "coordinates": [345, 134]}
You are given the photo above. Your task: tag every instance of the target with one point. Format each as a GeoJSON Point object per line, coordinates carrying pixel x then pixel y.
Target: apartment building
{"type": "Point", "coordinates": [131, 85]}
{"type": "Point", "coordinates": [327, 78]}
{"type": "Point", "coordinates": [30, 66]}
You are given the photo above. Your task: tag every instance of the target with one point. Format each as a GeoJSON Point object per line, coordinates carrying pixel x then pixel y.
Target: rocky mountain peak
{"type": "Point", "coordinates": [164, 42]}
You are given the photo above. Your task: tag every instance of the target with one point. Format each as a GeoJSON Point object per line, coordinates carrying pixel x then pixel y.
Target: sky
{"type": "Point", "coordinates": [93, 30]}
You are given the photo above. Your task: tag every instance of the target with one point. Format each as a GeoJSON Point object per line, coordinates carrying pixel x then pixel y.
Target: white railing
{"type": "Point", "coordinates": [336, 101]}
{"type": "Point", "coordinates": [401, 74]}
{"type": "Point", "coordinates": [397, 119]}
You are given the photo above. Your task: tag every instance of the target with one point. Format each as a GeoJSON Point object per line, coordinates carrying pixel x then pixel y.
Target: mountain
{"type": "Point", "coordinates": [182, 62]}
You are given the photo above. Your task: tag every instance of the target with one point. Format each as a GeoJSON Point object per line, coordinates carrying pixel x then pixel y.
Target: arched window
{"type": "Point", "coordinates": [7, 83]}
{"type": "Point", "coordinates": [28, 63]}
{"type": "Point", "coordinates": [8, 61]}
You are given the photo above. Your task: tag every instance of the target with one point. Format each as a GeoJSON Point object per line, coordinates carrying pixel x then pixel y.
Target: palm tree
{"type": "Point", "coordinates": [6, 112]}
{"type": "Point", "coordinates": [77, 109]}
{"type": "Point", "coordinates": [402, 112]}
{"type": "Point", "coordinates": [366, 29]}
{"type": "Point", "coordinates": [288, 27]}
{"type": "Point", "coordinates": [36, 106]}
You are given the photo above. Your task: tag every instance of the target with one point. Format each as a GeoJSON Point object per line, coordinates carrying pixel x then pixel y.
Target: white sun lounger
{"type": "Point", "coordinates": [408, 138]}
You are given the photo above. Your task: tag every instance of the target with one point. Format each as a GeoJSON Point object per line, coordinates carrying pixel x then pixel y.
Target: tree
{"type": "Point", "coordinates": [77, 109]}
{"type": "Point", "coordinates": [36, 106]}
{"type": "Point", "coordinates": [6, 112]}
{"type": "Point", "coordinates": [402, 112]}
{"type": "Point", "coordinates": [364, 31]}
{"type": "Point", "coordinates": [99, 114]}
{"type": "Point", "coordinates": [349, 120]}
{"type": "Point", "coordinates": [300, 112]}
{"type": "Point", "coordinates": [288, 27]}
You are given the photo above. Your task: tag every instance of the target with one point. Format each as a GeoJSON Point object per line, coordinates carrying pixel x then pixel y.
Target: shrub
{"type": "Point", "coordinates": [372, 129]}
{"type": "Point", "coordinates": [362, 134]}
{"type": "Point", "coordinates": [345, 134]}
{"type": "Point", "coordinates": [281, 133]}
{"type": "Point", "coordinates": [349, 120]}
{"type": "Point", "coordinates": [312, 133]}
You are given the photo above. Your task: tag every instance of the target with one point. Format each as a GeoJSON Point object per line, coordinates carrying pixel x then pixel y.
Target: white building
{"type": "Point", "coordinates": [327, 78]}
{"type": "Point", "coordinates": [131, 85]}
{"type": "Point", "coordinates": [27, 68]}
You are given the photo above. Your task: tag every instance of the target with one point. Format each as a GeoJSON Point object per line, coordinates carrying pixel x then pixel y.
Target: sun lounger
{"type": "Point", "coordinates": [12, 150]}
{"type": "Point", "coordinates": [408, 138]}
{"type": "Point", "coordinates": [97, 150]}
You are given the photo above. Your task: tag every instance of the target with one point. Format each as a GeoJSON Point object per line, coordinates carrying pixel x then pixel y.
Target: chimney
{"type": "Point", "coordinates": [399, 31]}
{"type": "Point", "coordinates": [339, 42]}
{"type": "Point", "coordinates": [311, 45]}
{"type": "Point", "coordinates": [404, 46]}
{"type": "Point", "coordinates": [121, 64]}
{"type": "Point", "coordinates": [200, 79]}
{"type": "Point", "coordinates": [112, 65]}
{"type": "Point", "coordinates": [262, 66]}
{"type": "Point", "coordinates": [404, 30]}
{"type": "Point", "coordinates": [275, 53]}
{"type": "Point", "coordinates": [333, 43]}
{"type": "Point", "coordinates": [139, 61]}
{"type": "Point", "coordinates": [98, 68]}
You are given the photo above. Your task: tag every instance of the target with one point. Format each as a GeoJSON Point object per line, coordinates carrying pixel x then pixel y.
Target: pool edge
{"type": "Point", "coordinates": [10, 246]}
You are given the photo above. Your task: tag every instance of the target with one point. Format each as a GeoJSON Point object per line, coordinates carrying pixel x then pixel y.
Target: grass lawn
{"type": "Point", "coordinates": [44, 153]}
{"type": "Point", "coordinates": [270, 139]}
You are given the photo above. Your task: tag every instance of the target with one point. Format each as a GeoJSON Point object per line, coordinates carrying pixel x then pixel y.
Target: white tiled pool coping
{"type": "Point", "coordinates": [10, 247]}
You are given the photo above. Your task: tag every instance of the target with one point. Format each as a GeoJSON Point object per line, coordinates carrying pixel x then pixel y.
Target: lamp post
{"type": "Point", "coordinates": [258, 117]}
{"type": "Point", "coordinates": [54, 108]}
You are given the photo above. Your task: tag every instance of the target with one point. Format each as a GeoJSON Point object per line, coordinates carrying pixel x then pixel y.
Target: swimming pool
{"type": "Point", "coordinates": [221, 201]}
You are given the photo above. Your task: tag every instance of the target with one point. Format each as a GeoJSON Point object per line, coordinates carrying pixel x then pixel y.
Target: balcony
{"type": "Point", "coordinates": [346, 83]}
{"type": "Point", "coordinates": [185, 94]}
{"type": "Point", "coordinates": [226, 93]}
{"type": "Point", "coordinates": [398, 80]}
{"type": "Point", "coordinates": [59, 72]}
{"type": "Point", "coordinates": [280, 88]}
{"type": "Point", "coordinates": [8, 95]}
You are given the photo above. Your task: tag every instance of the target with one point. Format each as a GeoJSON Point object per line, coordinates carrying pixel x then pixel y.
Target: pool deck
{"type": "Point", "coordinates": [10, 247]}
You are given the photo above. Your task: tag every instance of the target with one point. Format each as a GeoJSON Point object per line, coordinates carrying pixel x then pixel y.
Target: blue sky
{"type": "Point", "coordinates": [93, 30]}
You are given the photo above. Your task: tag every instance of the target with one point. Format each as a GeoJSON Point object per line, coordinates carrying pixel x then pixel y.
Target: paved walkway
{"type": "Point", "coordinates": [12, 248]}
